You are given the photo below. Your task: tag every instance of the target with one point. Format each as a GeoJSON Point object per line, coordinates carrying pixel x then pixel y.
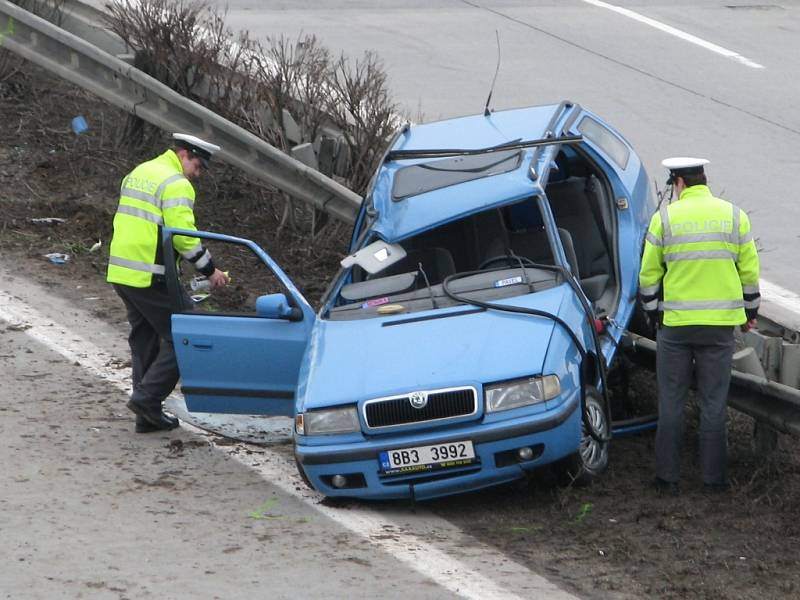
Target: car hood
{"type": "Point", "coordinates": [349, 361]}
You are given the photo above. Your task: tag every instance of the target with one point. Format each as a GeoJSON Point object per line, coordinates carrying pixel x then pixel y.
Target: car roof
{"type": "Point", "coordinates": [398, 218]}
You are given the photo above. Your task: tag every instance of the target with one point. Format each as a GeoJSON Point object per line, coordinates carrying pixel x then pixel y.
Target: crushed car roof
{"type": "Point", "coordinates": [412, 194]}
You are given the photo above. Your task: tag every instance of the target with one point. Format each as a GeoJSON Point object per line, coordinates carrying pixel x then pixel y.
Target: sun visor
{"type": "Point", "coordinates": [375, 257]}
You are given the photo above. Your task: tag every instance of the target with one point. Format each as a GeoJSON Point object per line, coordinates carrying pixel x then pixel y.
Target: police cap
{"type": "Point", "coordinates": [200, 148]}
{"type": "Point", "coordinates": [683, 165]}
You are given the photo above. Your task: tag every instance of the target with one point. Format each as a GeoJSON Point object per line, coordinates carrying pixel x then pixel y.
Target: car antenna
{"type": "Point", "coordinates": [486, 111]}
{"type": "Point", "coordinates": [664, 195]}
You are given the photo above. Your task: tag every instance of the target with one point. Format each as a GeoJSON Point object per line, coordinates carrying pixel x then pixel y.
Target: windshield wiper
{"type": "Point", "coordinates": [512, 145]}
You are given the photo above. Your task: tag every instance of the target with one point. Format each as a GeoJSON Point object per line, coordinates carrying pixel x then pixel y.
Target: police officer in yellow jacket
{"type": "Point", "coordinates": [699, 279]}
{"type": "Point", "coordinates": [156, 194]}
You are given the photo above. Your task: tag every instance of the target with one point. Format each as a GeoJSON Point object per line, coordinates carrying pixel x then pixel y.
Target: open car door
{"type": "Point", "coordinates": [238, 358]}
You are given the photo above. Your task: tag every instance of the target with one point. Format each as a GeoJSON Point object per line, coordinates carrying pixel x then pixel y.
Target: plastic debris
{"type": "Point", "coordinates": [198, 297]}
{"type": "Point", "coordinates": [200, 284]}
{"type": "Point", "coordinates": [48, 220]}
{"type": "Point", "coordinates": [57, 258]}
{"type": "Point", "coordinates": [96, 246]}
{"type": "Point", "coordinates": [79, 125]}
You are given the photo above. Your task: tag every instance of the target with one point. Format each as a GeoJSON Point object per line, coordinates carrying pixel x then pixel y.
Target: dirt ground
{"type": "Point", "coordinates": [616, 538]}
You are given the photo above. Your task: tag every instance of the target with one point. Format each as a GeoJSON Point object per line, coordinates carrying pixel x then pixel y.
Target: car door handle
{"type": "Point", "coordinates": [200, 344]}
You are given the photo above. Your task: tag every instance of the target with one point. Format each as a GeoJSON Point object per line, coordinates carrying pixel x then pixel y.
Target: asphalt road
{"type": "Point", "coordinates": [669, 96]}
{"type": "Point", "coordinates": [90, 509]}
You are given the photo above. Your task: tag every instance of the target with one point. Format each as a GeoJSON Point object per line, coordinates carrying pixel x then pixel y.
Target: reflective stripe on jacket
{"type": "Point", "coordinates": [153, 195]}
{"type": "Point", "coordinates": [700, 264]}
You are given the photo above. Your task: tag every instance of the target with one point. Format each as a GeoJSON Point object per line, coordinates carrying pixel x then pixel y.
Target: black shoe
{"type": "Point", "coordinates": [154, 417]}
{"type": "Point", "coordinates": [666, 488]}
{"type": "Point", "coordinates": [716, 488]}
{"type": "Point", "coordinates": [144, 426]}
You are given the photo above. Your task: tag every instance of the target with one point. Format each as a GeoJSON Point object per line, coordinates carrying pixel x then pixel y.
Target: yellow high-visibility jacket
{"type": "Point", "coordinates": [155, 194]}
{"type": "Point", "coordinates": [700, 264]}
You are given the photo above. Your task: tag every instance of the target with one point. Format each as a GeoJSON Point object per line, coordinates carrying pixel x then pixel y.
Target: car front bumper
{"type": "Point", "coordinates": [551, 435]}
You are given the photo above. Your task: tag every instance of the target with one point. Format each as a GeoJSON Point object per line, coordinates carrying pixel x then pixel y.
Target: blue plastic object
{"type": "Point", "coordinates": [79, 125]}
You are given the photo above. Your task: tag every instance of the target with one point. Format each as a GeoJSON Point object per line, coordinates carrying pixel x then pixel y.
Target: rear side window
{"type": "Point", "coordinates": [604, 139]}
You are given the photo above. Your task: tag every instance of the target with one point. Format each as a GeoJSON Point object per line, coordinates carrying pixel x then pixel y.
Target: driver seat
{"type": "Point", "coordinates": [490, 236]}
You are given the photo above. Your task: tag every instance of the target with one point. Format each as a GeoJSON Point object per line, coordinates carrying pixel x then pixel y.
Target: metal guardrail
{"type": "Point", "coordinates": [774, 404]}
{"type": "Point", "coordinates": [114, 80]}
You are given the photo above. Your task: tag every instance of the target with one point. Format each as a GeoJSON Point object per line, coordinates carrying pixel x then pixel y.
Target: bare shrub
{"type": "Point", "coordinates": [360, 106]}
{"type": "Point", "coordinates": [290, 81]}
{"type": "Point", "coordinates": [287, 92]}
{"type": "Point", "coordinates": [165, 36]}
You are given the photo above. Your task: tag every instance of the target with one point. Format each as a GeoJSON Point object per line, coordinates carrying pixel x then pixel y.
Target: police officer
{"type": "Point", "coordinates": [155, 194]}
{"type": "Point", "coordinates": [699, 278]}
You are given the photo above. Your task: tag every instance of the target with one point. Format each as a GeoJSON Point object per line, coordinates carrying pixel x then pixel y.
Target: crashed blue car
{"type": "Point", "coordinates": [467, 338]}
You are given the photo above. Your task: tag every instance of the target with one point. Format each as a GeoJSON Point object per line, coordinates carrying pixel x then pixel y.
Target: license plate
{"type": "Point", "coordinates": [427, 458]}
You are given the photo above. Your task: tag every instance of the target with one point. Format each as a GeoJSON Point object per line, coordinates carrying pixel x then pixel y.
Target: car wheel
{"type": "Point", "coordinates": [591, 459]}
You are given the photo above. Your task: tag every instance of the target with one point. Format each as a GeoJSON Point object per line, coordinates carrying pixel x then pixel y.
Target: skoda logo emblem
{"type": "Point", "coordinates": [418, 399]}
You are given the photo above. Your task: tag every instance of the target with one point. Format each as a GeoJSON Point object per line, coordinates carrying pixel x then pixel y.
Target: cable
{"type": "Point", "coordinates": [540, 313]}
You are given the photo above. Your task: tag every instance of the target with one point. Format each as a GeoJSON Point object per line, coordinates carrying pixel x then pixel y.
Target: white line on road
{"type": "Point", "coordinates": [779, 296]}
{"type": "Point", "coordinates": [688, 37]}
{"type": "Point", "coordinates": [390, 535]}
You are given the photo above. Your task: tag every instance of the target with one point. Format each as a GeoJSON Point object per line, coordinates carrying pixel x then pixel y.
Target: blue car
{"type": "Point", "coordinates": [468, 336]}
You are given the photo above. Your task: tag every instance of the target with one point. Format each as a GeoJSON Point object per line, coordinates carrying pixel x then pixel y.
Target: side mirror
{"type": "Point", "coordinates": [276, 306]}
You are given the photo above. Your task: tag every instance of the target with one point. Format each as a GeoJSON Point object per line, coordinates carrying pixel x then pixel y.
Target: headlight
{"type": "Point", "coordinates": [520, 392]}
{"type": "Point", "coordinates": [335, 420]}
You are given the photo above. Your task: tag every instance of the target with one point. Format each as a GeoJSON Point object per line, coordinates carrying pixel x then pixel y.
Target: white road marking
{"type": "Point", "coordinates": [779, 296]}
{"type": "Point", "coordinates": [688, 37]}
{"type": "Point", "coordinates": [385, 531]}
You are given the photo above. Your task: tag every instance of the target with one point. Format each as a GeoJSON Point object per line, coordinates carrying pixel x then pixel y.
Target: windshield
{"type": "Point", "coordinates": [500, 253]}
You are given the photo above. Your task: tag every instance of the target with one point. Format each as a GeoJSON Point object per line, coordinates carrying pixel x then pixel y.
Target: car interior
{"type": "Point", "coordinates": [496, 244]}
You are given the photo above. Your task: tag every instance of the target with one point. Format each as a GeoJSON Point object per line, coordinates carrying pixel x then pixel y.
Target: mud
{"type": "Point", "coordinates": [617, 538]}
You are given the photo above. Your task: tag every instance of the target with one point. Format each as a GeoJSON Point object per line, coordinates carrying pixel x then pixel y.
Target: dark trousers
{"type": "Point", "coordinates": [706, 351]}
{"type": "Point", "coordinates": [154, 366]}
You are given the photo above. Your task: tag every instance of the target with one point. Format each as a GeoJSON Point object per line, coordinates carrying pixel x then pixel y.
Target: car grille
{"type": "Point", "coordinates": [442, 404]}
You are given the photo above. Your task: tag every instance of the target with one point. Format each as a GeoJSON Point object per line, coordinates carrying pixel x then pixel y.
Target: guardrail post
{"type": "Point", "coordinates": [790, 365]}
{"type": "Point", "coordinates": [765, 438]}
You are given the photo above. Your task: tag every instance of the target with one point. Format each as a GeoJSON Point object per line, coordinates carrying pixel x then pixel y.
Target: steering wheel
{"type": "Point", "coordinates": [511, 261]}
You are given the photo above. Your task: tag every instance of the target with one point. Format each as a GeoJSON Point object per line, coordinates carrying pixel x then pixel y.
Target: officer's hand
{"type": "Point", "coordinates": [218, 279]}
{"type": "Point", "coordinates": [749, 325]}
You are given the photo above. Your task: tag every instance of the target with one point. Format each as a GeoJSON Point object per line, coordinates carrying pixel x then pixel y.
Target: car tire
{"type": "Point", "coordinates": [591, 459]}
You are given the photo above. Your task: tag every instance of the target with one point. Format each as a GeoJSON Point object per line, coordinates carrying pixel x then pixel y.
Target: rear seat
{"type": "Point", "coordinates": [570, 205]}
